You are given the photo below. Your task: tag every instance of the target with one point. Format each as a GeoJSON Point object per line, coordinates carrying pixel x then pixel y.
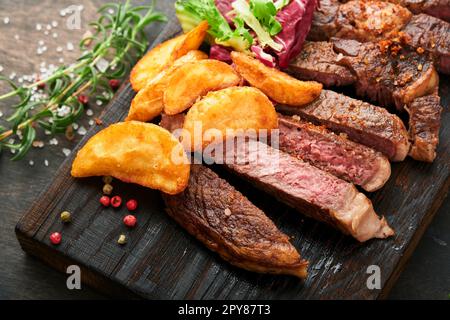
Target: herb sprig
{"type": "Point", "coordinates": [117, 42]}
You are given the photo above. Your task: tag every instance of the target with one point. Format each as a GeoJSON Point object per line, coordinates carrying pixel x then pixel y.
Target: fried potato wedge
{"type": "Point", "coordinates": [193, 80]}
{"type": "Point", "coordinates": [235, 108]}
{"type": "Point", "coordinates": [277, 85]}
{"type": "Point", "coordinates": [135, 152]}
{"type": "Point", "coordinates": [165, 54]}
{"type": "Point", "coordinates": [148, 102]}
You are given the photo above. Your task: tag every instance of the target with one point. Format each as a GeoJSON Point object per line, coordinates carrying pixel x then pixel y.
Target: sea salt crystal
{"type": "Point", "coordinates": [46, 162]}
{"type": "Point", "coordinates": [62, 13]}
{"type": "Point", "coordinates": [47, 132]}
{"type": "Point", "coordinates": [102, 65]}
{"type": "Point", "coordinates": [89, 112]}
{"type": "Point", "coordinates": [59, 49]}
{"type": "Point", "coordinates": [63, 111]}
{"type": "Point", "coordinates": [48, 27]}
{"type": "Point", "coordinates": [53, 142]}
{"type": "Point", "coordinates": [31, 163]}
{"type": "Point", "coordinates": [54, 35]}
{"type": "Point", "coordinates": [1, 114]}
{"type": "Point", "coordinates": [75, 126]}
{"type": "Point", "coordinates": [41, 42]}
{"type": "Point", "coordinates": [12, 76]}
{"type": "Point", "coordinates": [46, 32]}
{"type": "Point", "coordinates": [66, 151]}
{"type": "Point", "coordinates": [54, 24]}
{"type": "Point", "coordinates": [61, 60]}
{"type": "Point", "coordinates": [1, 68]}
{"type": "Point", "coordinates": [6, 20]}
{"type": "Point", "coordinates": [38, 26]}
{"type": "Point", "coordinates": [99, 102]}
{"type": "Point", "coordinates": [82, 131]}
{"type": "Point", "coordinates": [38, 144]}
{"type": "Point", "coordinates": [70, 46]}
{"type": "Point", "coordinates": [13, 151]}
{"type": "Point", "coordinates": [111, 11]}
{"type": "Point", "coordinates": [16, 36]}
{"type": "Point", "coordinates": [91, 122]}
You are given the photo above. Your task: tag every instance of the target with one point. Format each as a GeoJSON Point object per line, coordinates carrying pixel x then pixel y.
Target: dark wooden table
{"type": "Point", "coordinates": [22, 277]}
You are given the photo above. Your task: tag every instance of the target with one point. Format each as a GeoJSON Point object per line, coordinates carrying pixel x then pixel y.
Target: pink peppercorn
{"type": "Point", "coordinates": [129, 221]}
{"type": "Point", "coordinates": [55, 238]}
{"type": "Point", "coordinates": [116, 201]}
{"type": "Point", "coordinates": [114, 84]}
{"type": "Point", "coordinates": [83, 99]}
{"type": "Point", "coordinates": [105, 201]}
{"type": "Point", "coordinates": [132, 205]}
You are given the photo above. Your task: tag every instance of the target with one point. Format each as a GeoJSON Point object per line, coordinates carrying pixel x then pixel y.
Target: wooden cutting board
{"type": "Point", "coordinates": [162, 261]}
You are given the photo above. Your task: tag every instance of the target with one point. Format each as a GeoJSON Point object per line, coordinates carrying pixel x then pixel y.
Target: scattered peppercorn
{"type": "Point", "coordinates": [122, 239]}
{"type": "Point", "coordinates": [107, 179]}
{"type": "Point", "coordinates": [114, 84]}
{"type": "Point", "coordinates": [116, 201]}
{"type": "Point", "coordinates": [105, 201]}
{"type": "Point", "coordinates": [83, 99]}
{"type": "Point", "coordinates": [40, 85]}
{"type": "Point", "coordinates": [107, 189]}
{"type": "Point", "coordinates": [55, 238]}
{"type": "Point", "coordinates": [66, 217]}
{"type": "Point", "coordinates": [132, 205]}
{"type": "Point", "coordinates": [130, 221]}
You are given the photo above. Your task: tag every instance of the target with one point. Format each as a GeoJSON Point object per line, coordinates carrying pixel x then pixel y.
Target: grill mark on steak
{"type": "Point", "coordinates": [362, 122]}
{"type": "Point", "coordinates": [333, 153]}
{"type": "Point", "coordinates": [307, 189]}
{"type": "Point", "coordinates": [367, 21]}
{"type": "Point", "coordinates": [226, 222]}
{"type": "Point", "coordinates": [424, 124]}
{"type": "Point", "coordinates": [319, 61]}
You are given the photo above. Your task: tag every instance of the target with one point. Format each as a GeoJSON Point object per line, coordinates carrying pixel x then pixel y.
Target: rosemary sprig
{"type": "Point", "coordinates": [118, 41]}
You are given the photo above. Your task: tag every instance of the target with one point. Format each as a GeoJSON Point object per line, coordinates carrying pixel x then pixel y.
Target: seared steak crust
{"type": "Point", "coordinates": [367, 21]}
{"type": "Point", "coordinates": [432, 35]}
{"type": "Point", "coordinates": [333, 153]}
{"type": "Point", "coordinates": [388, 72]}
{"type": "Point", "coordinates": [320, 62]}
{"type": "Point", "coordinates": [424, 125]}
{"type": "Point", "coordinates": [228, 223]}
{"type": "Point", "coordinates": [362, 122]}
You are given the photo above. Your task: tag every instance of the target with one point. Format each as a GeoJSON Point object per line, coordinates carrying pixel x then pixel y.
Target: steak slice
{"type": "Point", "coordinates": [358, 20]}
{"type": "Point", "coordinates": [362, 122]}
{"type": "Point", "coordinates": [367, 21]}
{"type": "Point", "coordinates": [307, 189]}
{"type": "Point", "coordinates": [311, 191]}
{"type": "Point", "coordinates": [320, 62]}
{"type": "Point", "coordinates": [333, 153]}
{"type": "Point", "coordinates": [424, 125]}
{"type": "Point", "coordinates": [436, 8]}
{"type": "Point", "coordinates": [432, 35]}
{"type": "Point", "coordinates": [388, 72]}
{"type": "Point", "coordinates": [226, 222]}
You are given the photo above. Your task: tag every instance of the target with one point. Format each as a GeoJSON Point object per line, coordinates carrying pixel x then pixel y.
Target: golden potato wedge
{"type": "Point", "coordinates": [277, 85]}
{"type": "Point", "coordinates": [165, 54]}
{"type": "Point", "coordinates": [235, 108]}
{"type": "Point", "coordinates": [148, 102]}
{"type": "Point", "coordinates": [136, 152]}
{"type": "Point", "coordinates": [195, 79]}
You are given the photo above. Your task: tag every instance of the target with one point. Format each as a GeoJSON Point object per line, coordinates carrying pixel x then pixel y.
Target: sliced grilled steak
{"type": "Point", "coordinates": [436, 8]}
{"type": "Point", "coordinates": [309, 190]}
{"type": "Point", "coordinates": [358, 20]}
{"type": "Point", "coordinates": [367, 21]}
{"type": "Point", "coordinates": [424, 124]}
{"type": "Point", "coordinates": [226, 222]}
{"type": "Point", "coordinates": [432, 35]}
{"type": "Point", "coordinates": [362, 122]}
{"type": "Point", "coordinates": [333, 153]}
{"type": "Point", "coordinates": [387, 72]}
{"type": "Point", "coordinates": [319, 61]}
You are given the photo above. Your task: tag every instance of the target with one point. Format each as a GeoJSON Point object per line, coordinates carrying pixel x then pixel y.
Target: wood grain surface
{"type": "Point", "coordinates": [169, 247]}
